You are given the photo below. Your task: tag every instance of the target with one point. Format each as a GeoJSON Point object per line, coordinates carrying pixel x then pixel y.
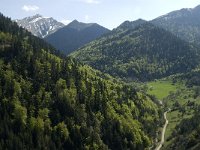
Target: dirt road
{"type": "Point", "coordinates": [163, 131]}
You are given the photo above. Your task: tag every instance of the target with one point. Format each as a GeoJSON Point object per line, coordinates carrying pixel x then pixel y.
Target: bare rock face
{"type": "Point", "coordinates": [40, 26]}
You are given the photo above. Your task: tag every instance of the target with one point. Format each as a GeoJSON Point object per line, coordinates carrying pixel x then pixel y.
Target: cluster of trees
{"type": "Point", "coordinates": [192, 78]}
{"type": "Point", "coordinates": [51, 102]}
{"type": "Point", "coordinates": [187, 133]}
{"type": "Point", "coordinates": [145, 52]}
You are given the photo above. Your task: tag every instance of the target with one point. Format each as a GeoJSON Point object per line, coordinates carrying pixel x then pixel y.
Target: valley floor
{"type": "Point", "coordinates": [181, 100]}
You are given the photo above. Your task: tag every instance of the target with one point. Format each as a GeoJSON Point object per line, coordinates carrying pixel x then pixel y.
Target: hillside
{"type": "Point", "coordinates": [48, 101]}
{"type": "Point", "coordinates": [184, 23]}
{"type": "Point", "coordinates": [145, 52]}
{"type": "Point", "coordinates": [75, 35]}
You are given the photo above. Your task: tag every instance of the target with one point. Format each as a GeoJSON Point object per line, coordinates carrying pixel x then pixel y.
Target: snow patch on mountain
{"type": "Point", "coordinates": [40, 26]}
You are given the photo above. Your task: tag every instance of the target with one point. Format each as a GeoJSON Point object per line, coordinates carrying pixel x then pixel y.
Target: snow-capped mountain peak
{"type": "Point", "coordinates": [40, 26]}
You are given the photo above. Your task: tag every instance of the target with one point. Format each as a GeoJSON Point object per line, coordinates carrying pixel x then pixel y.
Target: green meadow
{"type": "Point", "coordinates": [161, 88]}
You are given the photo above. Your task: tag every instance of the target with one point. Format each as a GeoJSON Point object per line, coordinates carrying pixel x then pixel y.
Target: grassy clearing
{"type": "Point", "coordinates": [161, 88]}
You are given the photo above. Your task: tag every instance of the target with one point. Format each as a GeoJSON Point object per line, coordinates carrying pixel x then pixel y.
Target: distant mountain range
{"type": "Point", "coordinates": [75, 35]}
{"type": "Point", "coordinates": [184, 23]}
{"type": "Point", "coordinates": [40, 26]}
{"type": "Point", "coordinates": [65, 38]}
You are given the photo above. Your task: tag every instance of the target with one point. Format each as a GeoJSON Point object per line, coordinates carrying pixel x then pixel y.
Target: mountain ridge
{"type": "Point", "coordinates": [130, 24]}
{"type": "Point", "coordinates": [75, 35]}
{"type": "Point", "coordinates": [184, 23]}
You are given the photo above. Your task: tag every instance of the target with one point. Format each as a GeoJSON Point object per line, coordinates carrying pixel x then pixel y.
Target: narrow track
{"type": "Point", "coordinates": [163, 131]}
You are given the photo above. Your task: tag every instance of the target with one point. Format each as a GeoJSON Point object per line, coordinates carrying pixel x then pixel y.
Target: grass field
{"type": "Point", "coordinates": [161, 88]}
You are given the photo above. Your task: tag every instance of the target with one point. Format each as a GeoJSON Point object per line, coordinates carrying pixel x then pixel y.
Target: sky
{"type": "Point", "coordinates": [108, 13]}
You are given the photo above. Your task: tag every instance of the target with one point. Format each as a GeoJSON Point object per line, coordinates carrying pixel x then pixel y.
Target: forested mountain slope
{"type": "Point", "coordinates": [184, 23]}
{"type": "Point", "coordinates": [51, 102]}
{"type": "Point", "coordinates": [144, 52]}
